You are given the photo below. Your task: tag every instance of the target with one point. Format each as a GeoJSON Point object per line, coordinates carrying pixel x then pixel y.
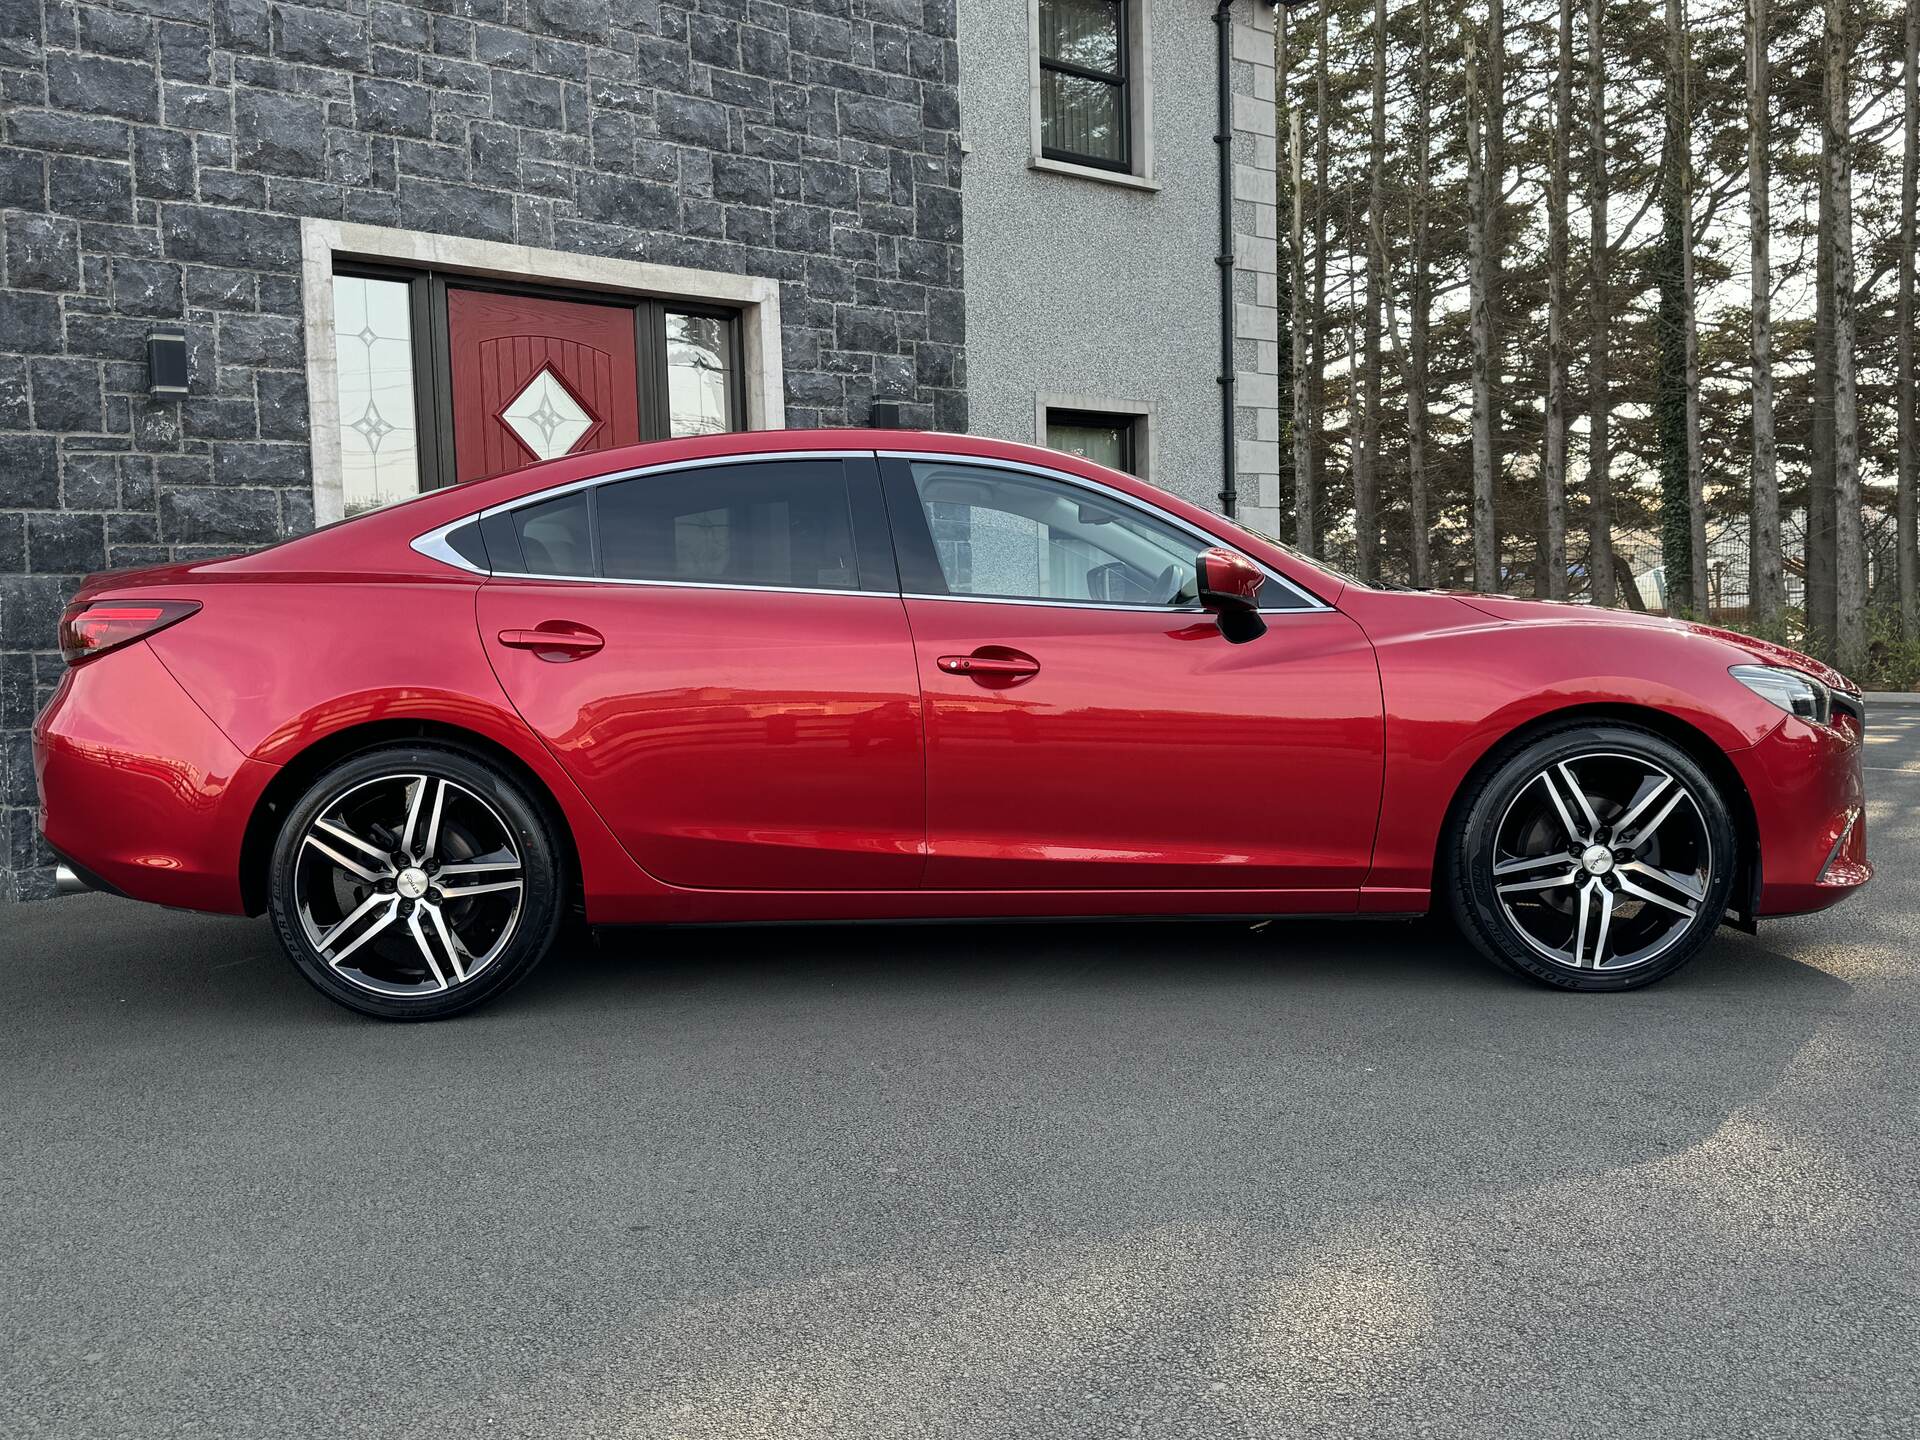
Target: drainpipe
{"type": "Point", "coordinates": [1223, 138]}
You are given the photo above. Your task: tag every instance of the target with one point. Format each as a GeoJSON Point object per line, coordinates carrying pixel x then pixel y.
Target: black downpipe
{"type": "Point", "coordinates": [1223, 137]}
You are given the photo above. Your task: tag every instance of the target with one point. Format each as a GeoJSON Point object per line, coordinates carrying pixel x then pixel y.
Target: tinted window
{"type": "Point", "coordinates": [998, 533]}
{"type": "Point", "coordinates": [555, 536]}
{"type": "Point", "coordinates": [783, 523]}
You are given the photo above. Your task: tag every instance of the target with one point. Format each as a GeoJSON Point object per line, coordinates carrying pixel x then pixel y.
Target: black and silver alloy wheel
{"type": "Point", "coordinates": [414, 882]}
{"type": "Point", "coordinates": [1596, 858]}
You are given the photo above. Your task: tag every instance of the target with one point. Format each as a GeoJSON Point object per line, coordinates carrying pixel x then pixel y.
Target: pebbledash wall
{"type": "Point", "coordinates": [185, 160]}
{"type": "Point", "coordinates": [1093, 290]}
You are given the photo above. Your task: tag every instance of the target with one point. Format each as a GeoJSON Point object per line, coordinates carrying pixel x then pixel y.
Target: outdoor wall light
{"type": "Point", "coordinates": [167, 362]}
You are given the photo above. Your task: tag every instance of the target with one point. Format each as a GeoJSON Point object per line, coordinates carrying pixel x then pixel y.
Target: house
{"type": "Point", "coordinates": [267, 263]}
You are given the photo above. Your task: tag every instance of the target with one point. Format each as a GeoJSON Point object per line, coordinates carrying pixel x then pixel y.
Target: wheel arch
{"type": "Point", "coordinates": [1698, 745]}
{"type": "Point", "coordinates": [286, 787]}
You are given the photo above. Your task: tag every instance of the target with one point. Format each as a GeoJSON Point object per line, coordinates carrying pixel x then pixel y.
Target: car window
{"type": "Point", "coordinates": [555, 536]}
{"type": "Point", "coordinates": [997, 533]}
{"type": "Point", "coordinates": [778, 523]}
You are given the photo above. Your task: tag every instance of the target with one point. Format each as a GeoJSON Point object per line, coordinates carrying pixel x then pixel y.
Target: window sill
{"type": "Point", "coordinates": [1093, 172]}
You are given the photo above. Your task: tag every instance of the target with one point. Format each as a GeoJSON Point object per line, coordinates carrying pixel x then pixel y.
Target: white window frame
{"type": "Point", "coordinates": [1139, 42]}
{"type": "Point", "coordinates": [326, 243]}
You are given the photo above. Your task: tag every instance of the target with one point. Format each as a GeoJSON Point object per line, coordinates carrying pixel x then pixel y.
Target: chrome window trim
{"type": "Point", "coordinates": [1314, 602]}
{"type": "Point", "coordinates": [696, 585]}
{"type": "Point", "coordinates": [433, 544]}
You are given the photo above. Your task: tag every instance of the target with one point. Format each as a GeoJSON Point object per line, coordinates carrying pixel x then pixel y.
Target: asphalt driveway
{"type": "Point", "coordinates": [1160, 1180]}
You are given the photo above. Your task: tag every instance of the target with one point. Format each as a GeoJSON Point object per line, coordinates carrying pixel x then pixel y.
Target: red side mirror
{"type": "Point", "coordinates": [1230, 589]}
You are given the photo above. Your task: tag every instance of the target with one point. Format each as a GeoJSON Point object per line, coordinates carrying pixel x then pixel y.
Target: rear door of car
{"type": "Point", "coordinates": [719, 655]}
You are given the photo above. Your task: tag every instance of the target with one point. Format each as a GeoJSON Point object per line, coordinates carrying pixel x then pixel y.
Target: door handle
{"type": "Point", "coordinates": [555, 640]}
{"type": "Point", "coordinates": [990, 664]}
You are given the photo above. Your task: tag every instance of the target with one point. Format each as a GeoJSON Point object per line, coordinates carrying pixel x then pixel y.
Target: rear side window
{"type": "Point", "coordinates": [556, 536]}
{"type": "Point", "coordinates": [781, 523]}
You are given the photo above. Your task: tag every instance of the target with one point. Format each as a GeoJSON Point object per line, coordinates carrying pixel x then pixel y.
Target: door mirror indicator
{"type": "Point", "coordinates": [1230, 591]}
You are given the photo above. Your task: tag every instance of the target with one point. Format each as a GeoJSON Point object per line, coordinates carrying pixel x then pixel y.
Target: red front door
{"type": "Point", "coordinates": [534, 379]}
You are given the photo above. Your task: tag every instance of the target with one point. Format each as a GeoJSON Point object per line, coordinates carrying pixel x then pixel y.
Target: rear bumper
{"type": "Point", "coordinates": [1810, 804]}
{"type": "Point", "coordinates": [163, 822]}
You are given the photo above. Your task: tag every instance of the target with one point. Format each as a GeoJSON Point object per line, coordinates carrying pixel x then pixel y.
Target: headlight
{"type": "Point", "coordinates": [1793, 692]}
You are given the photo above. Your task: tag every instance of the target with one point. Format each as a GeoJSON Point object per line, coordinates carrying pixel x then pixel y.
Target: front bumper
{"type": "Point", "coordinates": [162, 822]}
{"type": "Point", "coordinates": [1809, 803]}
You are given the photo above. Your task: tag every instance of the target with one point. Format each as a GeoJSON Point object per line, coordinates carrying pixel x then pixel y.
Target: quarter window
{"type": "Point", "coordinates": [1084, 100]}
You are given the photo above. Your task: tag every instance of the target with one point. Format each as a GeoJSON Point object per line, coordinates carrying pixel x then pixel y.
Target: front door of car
{"type": "Point", "coordinates": [719, 656]}
{"type": "Point", "coordinates": [1089, 727]}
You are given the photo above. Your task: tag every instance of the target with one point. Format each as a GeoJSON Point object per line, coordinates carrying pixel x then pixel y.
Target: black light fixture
{"type": "Point", "coordinates": [167, 362]}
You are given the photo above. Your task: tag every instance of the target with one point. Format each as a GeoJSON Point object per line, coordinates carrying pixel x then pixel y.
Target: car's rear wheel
{"type": "Point", "coordinates": [413, 882]}
{"type": "Point", "coordinates": [1594, 857]}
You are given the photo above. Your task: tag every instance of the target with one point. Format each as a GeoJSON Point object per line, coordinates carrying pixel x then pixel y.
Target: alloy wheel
{"type": "Point", "coordinates": [1602, 861]}
{"type": "Point", "coordinates": [408, 885]}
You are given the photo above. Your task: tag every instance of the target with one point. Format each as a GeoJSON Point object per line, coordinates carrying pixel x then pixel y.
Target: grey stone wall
{"type": "Point", "coordinates": [157, 156]}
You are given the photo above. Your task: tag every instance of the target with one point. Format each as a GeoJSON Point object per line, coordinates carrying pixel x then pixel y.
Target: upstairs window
{"type": "Point", "coordinates": [1084, 100]}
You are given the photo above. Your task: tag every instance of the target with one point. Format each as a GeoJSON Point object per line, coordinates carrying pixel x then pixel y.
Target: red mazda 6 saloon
{"type": "Point", "coordinates": [867, 675]}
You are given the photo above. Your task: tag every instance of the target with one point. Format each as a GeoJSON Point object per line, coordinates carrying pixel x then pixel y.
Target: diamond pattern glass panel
{"type": "Point", "coordinates": [546, 417]}
{"type": "Point", "coordinates": [373, 367]}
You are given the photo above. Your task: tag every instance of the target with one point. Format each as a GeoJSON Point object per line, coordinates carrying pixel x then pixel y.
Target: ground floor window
{"type": "Point", "coordinates": [445, 377]}
{"type": "Point", "coordinates": [1105, 439]}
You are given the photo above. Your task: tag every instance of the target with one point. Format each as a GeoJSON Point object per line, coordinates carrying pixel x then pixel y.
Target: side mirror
{"type": "Point", "coordinates": [1230, 591]}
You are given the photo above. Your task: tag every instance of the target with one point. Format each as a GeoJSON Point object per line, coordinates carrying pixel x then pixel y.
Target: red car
{"type": "Point", "coordinates": [869, 675]}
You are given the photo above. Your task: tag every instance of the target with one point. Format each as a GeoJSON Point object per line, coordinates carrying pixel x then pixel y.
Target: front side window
{"type": "Point", "coordinates": [779, 523]}
{"type": "Point", "coordinates": [997, 533]}
{"type": "Point", "coordinates": [1083, 82]}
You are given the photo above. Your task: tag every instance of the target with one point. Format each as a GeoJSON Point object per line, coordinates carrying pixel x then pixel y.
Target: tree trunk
{"type": "Point", "coordinates": [1670, 392]}
{"type": "Point", "coordinates": [1552, 580]}
{"type": "Point", "coordinates": [1696, 471]}
{"type": "Point", "coordinates": [1820, 613]}
{"type": "Point", "coordinates": [1766, 582]}
{"type": "Point", "coordinates": [1493, 119]}
{"type": "Point", "coordinates": [1486, 551]}
{"type": "Point", "coordinates": [1600, 563]}
{"type": "Point", "coordinates": [1357, 457]}
{"type": "Point", "coordinates": [1317, 364]}
{"type": "Point", "coordinates": [1303, 417]}
{"type": "Point", "coordinates": [1366, 516]}
{"type": "Point", "coordinates": [1420, 555]}
{"type": "Point", "coordinates": [1907, 510]}
{"type": "Point", "coordinates": [1850, 578]}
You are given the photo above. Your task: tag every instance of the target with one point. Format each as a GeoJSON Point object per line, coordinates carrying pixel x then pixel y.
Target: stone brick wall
{"type": "Point", "coordinates": [157, 156]}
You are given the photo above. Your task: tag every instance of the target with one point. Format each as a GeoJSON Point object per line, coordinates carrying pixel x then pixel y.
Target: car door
{"type": "Point", "coordinates": [1089, 727]}
{"type": "Point", "coordinates": [719, 656]}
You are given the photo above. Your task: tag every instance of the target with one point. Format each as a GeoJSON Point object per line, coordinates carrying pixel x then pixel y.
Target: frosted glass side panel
{"type": "Point", "coordinates": [373, 362]}
{"type": "Point", "coordinates": [699, 375]}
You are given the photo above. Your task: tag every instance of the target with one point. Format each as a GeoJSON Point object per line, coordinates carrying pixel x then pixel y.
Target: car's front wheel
{"type": "Point", "coordinates": [1595, 857]}
{"type": "Point", "coordinates": [412, 882]}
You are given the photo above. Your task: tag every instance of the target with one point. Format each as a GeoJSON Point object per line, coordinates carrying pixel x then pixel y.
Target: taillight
{"type": "Point", "coordinates": [89, 630]}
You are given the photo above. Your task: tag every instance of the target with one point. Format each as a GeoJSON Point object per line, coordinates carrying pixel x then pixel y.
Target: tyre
{"type": "Point", "coordinates": [1592, 857]}
{"type": "Point", "coordinates": [413, 882]}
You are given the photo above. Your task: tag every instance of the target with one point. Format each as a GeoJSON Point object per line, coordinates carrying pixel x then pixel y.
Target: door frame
{"type": "Point", "coordinates": [753, 301]}
{"type": "Point", "coordinates": [433, 356]}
